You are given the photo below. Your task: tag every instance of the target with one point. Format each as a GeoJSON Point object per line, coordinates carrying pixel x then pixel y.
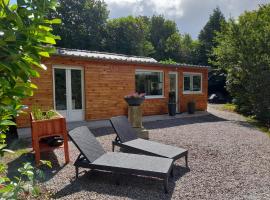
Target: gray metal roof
{"type": "Point", "coordinates": [103, 55]}
{"type": "Point", "coordinates": [95, 55]}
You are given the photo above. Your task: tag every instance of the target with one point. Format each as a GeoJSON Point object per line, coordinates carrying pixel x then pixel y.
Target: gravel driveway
{"type": "Point", "coordinates": [228, 159]}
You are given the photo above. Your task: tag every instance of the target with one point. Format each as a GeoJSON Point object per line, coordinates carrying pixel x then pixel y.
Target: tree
{"type": "Point", "coordinates": [243, 51]}
{"type": "Point", "coordinates": [207, 35]}
{"type": "Point", "coordinates": [25, 37]}
{"type": "Point", "coordinates": [189, 49]}
{"type": "Point", "coordinates": [128, 35]}
{"type": "Point", "coordinates": [83, 24]}
{"type": "Point", "coordinates": [173, 47]}
{"type": "Point", "coordinates": [160, 32]}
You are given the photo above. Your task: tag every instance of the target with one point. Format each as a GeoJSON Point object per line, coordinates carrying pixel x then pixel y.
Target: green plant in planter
{"type": "Point", "coordinates": [41, 115]}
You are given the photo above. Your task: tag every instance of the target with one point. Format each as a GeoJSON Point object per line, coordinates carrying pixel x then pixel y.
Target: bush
{"type": "Point", "coordinates": [243, 51]}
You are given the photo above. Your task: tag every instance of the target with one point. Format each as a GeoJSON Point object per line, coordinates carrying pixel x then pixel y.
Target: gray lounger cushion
{"type": "Point", "coordinates": [127, 139]}
{"type": "Point", "coordinates": [94, 157]}
{"type": "Point", "coordinates": [155, 148]}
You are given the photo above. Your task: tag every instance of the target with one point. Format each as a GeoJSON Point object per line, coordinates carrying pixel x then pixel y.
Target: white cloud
{"type": "Point", "coordinates": [190, 15]}
{"type": "Point", "coordinates": [168, 7]}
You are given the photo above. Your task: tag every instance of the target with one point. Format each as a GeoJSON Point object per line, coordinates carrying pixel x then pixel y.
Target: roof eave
{"type": "Point", "coordinates": [135, 62]}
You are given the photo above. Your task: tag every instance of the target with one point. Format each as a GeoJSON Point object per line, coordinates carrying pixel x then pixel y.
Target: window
{"type": "Point", "coordinates": [149, 82]}
{"type": "Point", "coordinates": [192, 83]}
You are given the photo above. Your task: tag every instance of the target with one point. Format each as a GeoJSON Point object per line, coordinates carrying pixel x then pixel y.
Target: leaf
{"type": "Point", "coordinates": [7, 123]}
{"type": "Point", "coordinates": [46, 162]}
{"type": "Point", "coordinates": [48, 40]}
{"type": "Point", "coordinates": [8, 150]}
{"type": "Point", "coordinates": [45, 28]}
{"type": "Point", "coordinates": [35, 191]}
{"type": "Point", "coordinates": [53, 21]}
{"type": "Point", "coordinates": [43, 66]}
{"type": "Point", "coordinates": [13, 7]}
{"type": "Point", "coordinates": [44, 54]}
{"type": "Point", "coordinates": [7, 188]}
{"type": "Point", "coordinates": [2, 146]}
{"type": "Point", "coordinates": [4, 180]}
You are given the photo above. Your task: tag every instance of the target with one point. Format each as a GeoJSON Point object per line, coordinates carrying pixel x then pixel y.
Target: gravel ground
{"type": "Point", "coordinates": [228, 159]}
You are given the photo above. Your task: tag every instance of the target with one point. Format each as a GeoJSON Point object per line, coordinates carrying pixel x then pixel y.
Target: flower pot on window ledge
{"type": "Point", "coordinates": [172, 104]}
{"type": "Point", "coordinates": [191, 107]}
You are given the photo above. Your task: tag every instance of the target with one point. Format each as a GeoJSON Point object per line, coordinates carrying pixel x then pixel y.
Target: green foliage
{"type": "Point", "coordinates": [83, 24]}
{"type": "Point", "coordinates": [168, 61]}
{"type": "Point", "coordinates": [23, 185]}
{"type": "Point", "coordinates": [41, 114]}
{"type": "Point", "coordinates": [160, 32]}
{"type": "Point", "coordinates": [243, 51]}
{"type": "Point", "coordinates": [128, 35]}
{"type": "Point", "coordinates": [25, 38]}
{"type": "Point", "coordinates": [229, 107]}
{"type": "Point", "coordinates": [207, 35]}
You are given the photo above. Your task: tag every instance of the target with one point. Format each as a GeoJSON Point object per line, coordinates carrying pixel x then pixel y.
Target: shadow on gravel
{"type": "Point", "coordinates": [98, 132]}
{"type": "Point", "coordinates": [29, 157]}
{"type": "Point", "coordinates": [134, 187]}
{"type": "Point", "coordinates": [182, 121]}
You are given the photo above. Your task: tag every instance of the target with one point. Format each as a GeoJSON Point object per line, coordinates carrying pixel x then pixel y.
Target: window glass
{"type": "Point", "coordinates": [192, 83]}
{"type": "Point", "coordinates": [150, 83]}
{"type": "Point", "coordinates": [196, 83]}
{"type": "Point", "coordinates": [187, 83]}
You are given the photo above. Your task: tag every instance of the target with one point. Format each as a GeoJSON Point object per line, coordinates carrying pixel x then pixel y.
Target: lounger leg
{"type": "Point", "coordinates": [77, 171]}
{"type": "Point", "coordinates": [112, 146]}
{"type": "Point", "coordinates": [117, 179]}
{"type": "Point", "coordinates": [171, 172]}
{"type": "Point", "coordinates": [186, 157]}
{"type": "Point", "coordinates": [165, 183]}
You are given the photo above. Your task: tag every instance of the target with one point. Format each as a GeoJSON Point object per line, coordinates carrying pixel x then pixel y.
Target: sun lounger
{"type": "Point", "coordinates": [127, 139]}
{"type": "Point", "coordinates": [94, 157]}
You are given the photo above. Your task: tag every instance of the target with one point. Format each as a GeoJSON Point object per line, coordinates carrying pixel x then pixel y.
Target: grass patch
{"type": "Point", "coordinates": [229, 107]}
{"type": "Point", "coordinates": [251, 120]}
{"type": "Point", "coordinates": [258, 125]}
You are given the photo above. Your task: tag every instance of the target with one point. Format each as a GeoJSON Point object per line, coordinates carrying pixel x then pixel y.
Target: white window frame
{"type": "Point", "coordinates": [153, 96]}
{"type": "Point", "coordinates": [191, 74]}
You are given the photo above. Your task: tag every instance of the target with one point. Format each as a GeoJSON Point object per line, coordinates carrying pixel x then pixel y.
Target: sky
{"type": "Point", "coordinates": [189, 15]}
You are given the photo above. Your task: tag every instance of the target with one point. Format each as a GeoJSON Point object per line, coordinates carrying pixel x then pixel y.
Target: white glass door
{"type": "Point", "coordinates": [68, 93]}
{"type": "Point", "coordinates": [174, 87]}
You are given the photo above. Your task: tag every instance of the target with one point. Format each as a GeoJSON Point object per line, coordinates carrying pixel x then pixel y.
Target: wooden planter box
{"type": "Point", "coordinates": [47, 128]}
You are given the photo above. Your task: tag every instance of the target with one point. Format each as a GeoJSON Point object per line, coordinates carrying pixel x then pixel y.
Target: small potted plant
{"type": "Point", "coordinates": [191, 107]}
{"type": "Point", "coordinates": [172, 104]}
{"type": "Point", "coordinates": [135, 99]}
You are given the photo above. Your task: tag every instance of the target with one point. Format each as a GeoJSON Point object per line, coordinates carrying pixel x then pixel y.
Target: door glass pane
{"type": "Point", "coordinates": [186, 83]}
{"type": "Point", "coordinates": [196, 83]}
{"type": "Point", "coordinates": [76, 89]}
{"type": "Point", "coordinates": [172, 82]}
{"type": "Point", "coordinates": [60, 89]}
